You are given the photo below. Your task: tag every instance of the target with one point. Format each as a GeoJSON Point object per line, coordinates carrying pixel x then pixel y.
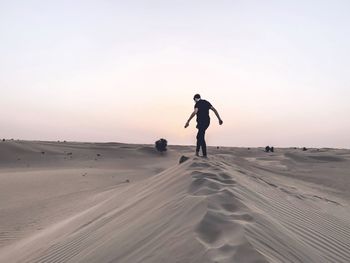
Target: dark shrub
{"type": "Point", "coordinates": [161, 145]}
{"type": "Point", "coordinates": [269, 149]}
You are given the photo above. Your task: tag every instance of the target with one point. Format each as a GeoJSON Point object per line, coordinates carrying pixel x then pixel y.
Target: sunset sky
{"type": "Point", "coordinates": [278, 72]}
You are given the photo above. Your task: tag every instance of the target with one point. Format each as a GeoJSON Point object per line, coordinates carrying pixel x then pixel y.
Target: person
{"type": "Point", "coordinates": [201, 109]}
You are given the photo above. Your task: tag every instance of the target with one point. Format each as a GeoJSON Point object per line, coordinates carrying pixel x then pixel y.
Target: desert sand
{"type": "Point", "coordinates": [113, 202]}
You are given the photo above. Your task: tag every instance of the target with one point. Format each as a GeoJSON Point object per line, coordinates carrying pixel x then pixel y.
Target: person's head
{"type": "Point", "coordinates": [197, 97]}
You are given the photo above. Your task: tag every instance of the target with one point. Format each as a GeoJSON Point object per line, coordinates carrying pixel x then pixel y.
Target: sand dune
{"type": "Point", "coordinates": [92, 202]}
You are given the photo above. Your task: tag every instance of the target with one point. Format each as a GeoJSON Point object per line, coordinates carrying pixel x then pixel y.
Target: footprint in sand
{"type": "Point", "coordinates": [221, 178]}
{"type": "Point", "coordinates": [199, 165]}
{"type": "Point", "coordinates": [222, 231]}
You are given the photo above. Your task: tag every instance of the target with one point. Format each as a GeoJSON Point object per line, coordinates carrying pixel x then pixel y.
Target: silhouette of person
{"type": "Point", "coordinates": [201, 109]}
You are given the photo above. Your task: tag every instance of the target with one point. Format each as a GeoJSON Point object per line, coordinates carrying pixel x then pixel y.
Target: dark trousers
{"type": "Point", "coordinates": [201, 139]}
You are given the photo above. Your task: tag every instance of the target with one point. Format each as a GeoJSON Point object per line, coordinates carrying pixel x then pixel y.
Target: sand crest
{"type": "Point", "coordinates": [90, 202]}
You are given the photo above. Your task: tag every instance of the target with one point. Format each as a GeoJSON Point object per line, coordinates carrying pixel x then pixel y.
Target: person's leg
{"type": "Point", "coordinates": [204, 145]}
{"type": "Point", "coordinates": [198, 142]}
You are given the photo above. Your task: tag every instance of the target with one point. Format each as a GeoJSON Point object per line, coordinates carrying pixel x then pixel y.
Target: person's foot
{"type": "Point", "coordinates": [197, 154]}
{"type": "Point", "coordinates": [204, 156]}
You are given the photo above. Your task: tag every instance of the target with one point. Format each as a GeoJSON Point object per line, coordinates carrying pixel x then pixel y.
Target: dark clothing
{"type": "Point", "coordinates": [203, 122]}
{"type": "Point", "coordinates": [201, 140]}
{"type": "Point", "coordinates": [203, 107]}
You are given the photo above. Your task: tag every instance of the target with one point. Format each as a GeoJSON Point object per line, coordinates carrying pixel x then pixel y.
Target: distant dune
{"type": "Point", "coordinates": [112, 202]}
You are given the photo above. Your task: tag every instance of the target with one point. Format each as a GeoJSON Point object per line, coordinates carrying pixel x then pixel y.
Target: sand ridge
{"type": "Point", "coordinates": [235, 206]}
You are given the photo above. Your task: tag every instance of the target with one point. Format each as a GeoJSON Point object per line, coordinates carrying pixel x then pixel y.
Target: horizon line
{"type": "Point", "coordinates": [185, 145]}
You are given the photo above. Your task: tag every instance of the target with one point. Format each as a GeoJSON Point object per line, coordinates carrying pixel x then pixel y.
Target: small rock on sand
{"type": "Point", "coordinates": [183, 158]}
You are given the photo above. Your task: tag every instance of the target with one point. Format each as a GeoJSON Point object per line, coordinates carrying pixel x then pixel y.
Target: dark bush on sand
{"type": "Point", "coordinates": [161, 145]}
{"type": "Point", "coordinates": [269, 149]}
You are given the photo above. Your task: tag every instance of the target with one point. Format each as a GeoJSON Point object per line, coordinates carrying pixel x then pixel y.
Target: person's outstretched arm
{"type": "Point", "coordinates": [192, 115]}
{"type": "Point", "coordinates": [217, 115]}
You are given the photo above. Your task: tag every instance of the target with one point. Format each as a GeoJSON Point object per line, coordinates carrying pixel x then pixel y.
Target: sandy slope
{"type": "Point", "coordinates": [238, 206]}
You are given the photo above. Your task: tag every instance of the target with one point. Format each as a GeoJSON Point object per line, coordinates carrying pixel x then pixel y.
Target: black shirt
{"type": "Point", "coordinates": [203, 107]}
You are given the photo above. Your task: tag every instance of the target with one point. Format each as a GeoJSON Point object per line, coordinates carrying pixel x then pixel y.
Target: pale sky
{"type": "Point", "coordinates": [278, 72]}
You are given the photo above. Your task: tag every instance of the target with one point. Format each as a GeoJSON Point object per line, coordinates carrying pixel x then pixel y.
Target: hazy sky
{"type": "Point", "coordinates": [277, 71]}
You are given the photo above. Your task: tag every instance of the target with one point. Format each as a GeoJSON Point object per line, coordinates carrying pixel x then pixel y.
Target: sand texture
{"type": "Point", "coordinates": [127, 203]}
